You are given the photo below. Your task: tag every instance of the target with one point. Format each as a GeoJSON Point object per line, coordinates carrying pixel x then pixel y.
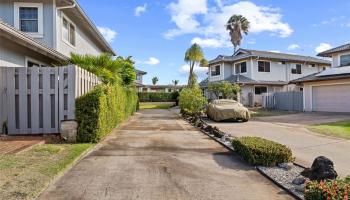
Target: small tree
{"type": "Point", "coordinates": [191, 100]}
{"type": "Point", "coordinates": [194, 56]}
{"type": "Point", "coordinates": [155, 80]}
{"type": "Point", "coordinates": [224, 88]}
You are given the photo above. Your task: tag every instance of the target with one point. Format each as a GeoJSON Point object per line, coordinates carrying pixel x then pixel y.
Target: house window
{"type": "Point", "coordinates": [260, 90]}
{"type": "Point", "coordinates": [297, 69]}
{"type": "Point", "coordinates": [345, 60]}
{"type": "Point", "coordinates": [263, 66]}
{"type": "Point", "coordinates": [241, 68]}
{"type": "Point", "coordinates": [68, 31]}
{"type": "Point", "coordinates": [28, 17]}
{"type": "Point", "coordinates": [215, 71]}
{"type": "Point", "coordinates": [33, 63]}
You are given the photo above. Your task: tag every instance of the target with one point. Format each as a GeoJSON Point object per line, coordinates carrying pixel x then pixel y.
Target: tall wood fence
{"type": "Point", "coordinates": [35, 100]}
{"type": "Point", "coordinates": [290, 101]}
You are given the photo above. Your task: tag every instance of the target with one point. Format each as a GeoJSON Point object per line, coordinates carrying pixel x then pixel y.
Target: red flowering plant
{"type": "Point", "coordinates": [328, 190]}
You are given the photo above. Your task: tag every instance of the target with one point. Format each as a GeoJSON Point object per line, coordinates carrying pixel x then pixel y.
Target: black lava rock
{"type": "Point", "coordinates": [322, 168]}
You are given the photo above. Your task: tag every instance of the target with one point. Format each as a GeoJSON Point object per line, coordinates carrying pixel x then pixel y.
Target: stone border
{"type": "Point", "coordinates": [208, 129]}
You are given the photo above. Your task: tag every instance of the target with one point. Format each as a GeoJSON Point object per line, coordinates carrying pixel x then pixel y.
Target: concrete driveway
{"type": "Point", "coordinates": [291, 131]}
{"type": "Point", "coordinates": [156, 155]}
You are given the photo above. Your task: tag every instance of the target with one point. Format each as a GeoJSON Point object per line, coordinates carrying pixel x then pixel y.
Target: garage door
{"type": "Point", "coordinates": [331, 98]}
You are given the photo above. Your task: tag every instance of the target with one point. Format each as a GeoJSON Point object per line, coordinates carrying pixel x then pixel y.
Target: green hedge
{"type": "Point", "coordinates": [102, 109]}
{"type": "Point", "coordinates": [158, 96]}
{"type": "Point", "coordinates": [329, 189]}
{"type": "Point", "coordinates": [259, 151]}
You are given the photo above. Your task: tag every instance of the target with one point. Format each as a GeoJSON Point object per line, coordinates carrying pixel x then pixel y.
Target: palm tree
{"type": "Point", "coordinates": [175, 82]}
{"type": "Point", "coordinates": [194, 56]}
{"type": "Point", "coordinates": [237, 24]}
{"type": "Point", "coordinates": [155, 80]}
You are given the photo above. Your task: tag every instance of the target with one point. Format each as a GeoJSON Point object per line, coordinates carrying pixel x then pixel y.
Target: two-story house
{"type": "Point", "coordinates": [139, 78]}
{"type": "Point", "coordinates": [329, 90]}
{"type": "Point", "coordinates": [259, 72]}
{"type": "Point", "coordinates": [46, 32]}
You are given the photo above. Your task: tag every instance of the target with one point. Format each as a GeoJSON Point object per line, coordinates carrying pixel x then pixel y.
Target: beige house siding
{"type": "Point", "coordinates": [308, 91]}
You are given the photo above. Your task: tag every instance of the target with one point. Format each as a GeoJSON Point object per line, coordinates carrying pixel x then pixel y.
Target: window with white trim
{"type": "Point", "coordinates": [28, 17]}
{"type": "Point", "coordinates": [263, 66]}
{"type": "Point", "coordinates": [345, 60]}
{"type": "Point", "coordinates": [215, 71]}
{"type": "Point", "coordinates": [241, 67]}
{"type": "Point", "coordinates": [296, 69]}
{"type": "Point", "coordinates": [68, 31]}
{"type": "Point", "coordinates": [260, 90]}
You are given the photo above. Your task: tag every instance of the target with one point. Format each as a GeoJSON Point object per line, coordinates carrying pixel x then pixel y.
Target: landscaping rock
{"type": "Point", "coordinates": [208, 129]}
{"type": "Point", "coordinates": [322, 168]}
{"type": "Point", "coordinates": [217, 133]}
{"type": "Point", "coordinates": [300, 188]}
{"type": "Point", "coordinates": [299, 181]}
{"type": "Point", "coordinates": [69, 129]}
{"type": "Point", "coordinates": [286, 166]}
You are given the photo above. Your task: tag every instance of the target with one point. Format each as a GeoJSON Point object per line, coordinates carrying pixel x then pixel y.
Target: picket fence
{"type": "Point", "coordinates": [35, 100]}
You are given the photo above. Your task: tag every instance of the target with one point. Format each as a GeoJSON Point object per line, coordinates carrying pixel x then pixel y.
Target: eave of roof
{"type": "Point", "coordinates": [314, 78]}
{"type": "Point", "coordinates": [140, 72]}
{"type": "Point", "coordinates": [269, 55]}
{"type": "Point", "coordinates": [328, 53]}
{"type": "Point", "coordinates": [22, 39]}
{"type": "Point", "coordinates": [92, 26]}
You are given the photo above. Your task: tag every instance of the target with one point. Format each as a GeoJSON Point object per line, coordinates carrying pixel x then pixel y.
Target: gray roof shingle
{"type": "Point", "coordinates": [329, 52]}
{"type": "Point", "coordinates": [270, 55]}
{"type": "Point", "coordinates": [314, 77]}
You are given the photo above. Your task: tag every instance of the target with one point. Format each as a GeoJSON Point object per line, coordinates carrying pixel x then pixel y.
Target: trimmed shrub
{"type": "Point", "coordinates": [330, 189]}
{"type": "Point", "coordinates": [259, 151]}
{"type": "Point", "coordinates": [102, 109]}
{"type": "Point", "coordinates": [157, 96]}
{"type": "Point", "coordinates": [192, 101]}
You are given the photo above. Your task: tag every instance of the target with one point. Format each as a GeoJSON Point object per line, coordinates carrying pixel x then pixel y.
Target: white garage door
{"type": "Point", "coordinates": [331, 98]}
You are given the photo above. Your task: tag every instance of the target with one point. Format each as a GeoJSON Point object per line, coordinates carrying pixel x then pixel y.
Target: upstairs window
{"type": "Point", "coordinates": [296, 69]}
{"type": "Point", "coordinates": [68, 31]}
{"type": "Point", "coordinates": [215, 71]}
{"type": "Point", "coordinates": [241, 68]}
{"type": "Point", "coordinates": [345, 60]}
{"type": "Point", "coordinates": [28, 17]}
{"type": "Point", "coordinates": [264, 66]}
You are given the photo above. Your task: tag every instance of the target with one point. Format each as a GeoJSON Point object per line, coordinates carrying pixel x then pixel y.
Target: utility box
{"type": "Point", "coordinates": [69, 130]}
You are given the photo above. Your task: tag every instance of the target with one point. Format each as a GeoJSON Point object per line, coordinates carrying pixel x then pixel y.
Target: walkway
{"type": "Point", "coordinates": [156, 155]}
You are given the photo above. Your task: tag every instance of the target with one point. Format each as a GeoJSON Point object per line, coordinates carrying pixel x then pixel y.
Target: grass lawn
{"type": "Point", "coordinates": [337, 129]}
{"type": "Point", "coordinates": [156, 105]}
{"type": "Point", "coordinates": [25, 175]}
{"type": "Point", "coordinates": [261, 112]}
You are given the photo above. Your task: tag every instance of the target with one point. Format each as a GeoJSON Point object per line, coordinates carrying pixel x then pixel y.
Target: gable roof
{"type": "Point", "coordinates": [89, 24]}
{"type": "Point", "coordinates": [328, 53]}
{"type": "Point", "coordinates": [23, 39]}
{"type": "Point", "coordinates": [247, 53]}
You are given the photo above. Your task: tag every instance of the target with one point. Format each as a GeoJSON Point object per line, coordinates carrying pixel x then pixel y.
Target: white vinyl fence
{"type": "Point", "coordinates": [290, 101]}
{"type": "Point", "coordinates": [35, 100]}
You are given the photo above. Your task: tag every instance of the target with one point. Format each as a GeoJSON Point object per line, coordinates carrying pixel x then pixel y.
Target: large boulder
{"type": "Point", "coordinates": [322, 168]}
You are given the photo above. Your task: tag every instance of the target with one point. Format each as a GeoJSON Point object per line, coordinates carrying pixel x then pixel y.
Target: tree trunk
{"type": "Point", "coordinates": [190, 77]}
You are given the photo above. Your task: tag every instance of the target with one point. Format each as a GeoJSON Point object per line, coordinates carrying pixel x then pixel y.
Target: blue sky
{"type": "Point", "coordinates": [158, 32]}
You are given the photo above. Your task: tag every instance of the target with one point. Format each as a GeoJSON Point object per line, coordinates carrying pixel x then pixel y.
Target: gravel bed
{"type": "Point", "coordinates": [285, 177]}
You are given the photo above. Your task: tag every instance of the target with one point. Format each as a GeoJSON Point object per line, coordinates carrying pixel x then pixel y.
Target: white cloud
{"type": "Point", "coordinates": [197, 69]}
{"type": "Point", "coordinates": [322, 47]}
{"type": "Point", "coordinates": [208, 42]}
{"type": "Point", "coordinates": [195, 17]}
{"type": "Point", "coordinates": [107, 33]}
{"type": "Point", "coordinates": [293, 47]}
{"type": "Point", "coordinates": [150, 61]}
{"type": "Point", "coordinates": [140, 9]}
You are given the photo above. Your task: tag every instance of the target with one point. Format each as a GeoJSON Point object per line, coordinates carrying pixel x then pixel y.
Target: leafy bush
{"type": "Point", "coordinates": [328, 190]}
{"type": "Point", "coordinates": [192, 101]}
{"type": "Point", "coordinates": [259, 151]}
{"type": "Point", "coordinates": [102, 109]}
{"type": "Point", "coordinates": [224, 88]}
{"type": "Point", "coordinates": [157, 97]}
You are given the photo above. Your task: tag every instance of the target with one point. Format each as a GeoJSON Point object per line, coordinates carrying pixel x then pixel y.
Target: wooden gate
{"type": "Point", "coordinates": [35, 100]}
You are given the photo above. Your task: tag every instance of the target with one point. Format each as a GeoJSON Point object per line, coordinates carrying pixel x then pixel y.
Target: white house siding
{"type": "Point", "coordinates": [14, 55]}
{"type": "Point", "coordinates": [336, 58]}
{"type": "Point", "coordinates": [7, 15]}
{"type": "Point", "coordinates": [84, 43]}
{"type": "Point", "coordinates": [219, 77]}
{"type": "Point", "coordinates": [309, 96]}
